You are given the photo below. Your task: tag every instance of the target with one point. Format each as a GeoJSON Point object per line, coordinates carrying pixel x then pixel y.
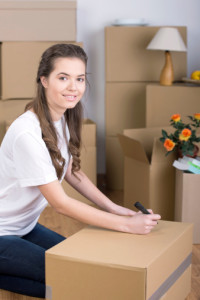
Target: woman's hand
{"type": "Point", "coordinates": [141, 223]}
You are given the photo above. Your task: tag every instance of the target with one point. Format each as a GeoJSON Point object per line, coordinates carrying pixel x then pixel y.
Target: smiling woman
{"type": "Point", "coordinates": [39, 150]}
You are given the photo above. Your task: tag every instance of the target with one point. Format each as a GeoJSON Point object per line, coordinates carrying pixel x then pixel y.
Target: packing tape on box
{"type": "Point", "coordinates": [48, 295]}
{"type": "Point", "coordinates": [171, 279]}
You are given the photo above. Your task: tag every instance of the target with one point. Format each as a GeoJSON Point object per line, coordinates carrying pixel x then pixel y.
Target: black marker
{"type": "Point", "coordinates": [140, 207]}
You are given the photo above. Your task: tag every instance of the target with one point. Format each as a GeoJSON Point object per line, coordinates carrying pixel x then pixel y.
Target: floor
{"type": "Point", "coordinates": [67, 227]}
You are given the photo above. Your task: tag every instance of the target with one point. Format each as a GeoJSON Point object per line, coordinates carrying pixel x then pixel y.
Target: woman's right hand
{"type": "Point", "coordinates": [142, 224]}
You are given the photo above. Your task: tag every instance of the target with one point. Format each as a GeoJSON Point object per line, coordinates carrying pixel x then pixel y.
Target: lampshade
{"type": "Point", "coordinates": [167, 38]}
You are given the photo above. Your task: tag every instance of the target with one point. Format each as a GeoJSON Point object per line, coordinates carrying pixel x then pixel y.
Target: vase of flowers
{"type": "Point", "coordinates": [184, 138]}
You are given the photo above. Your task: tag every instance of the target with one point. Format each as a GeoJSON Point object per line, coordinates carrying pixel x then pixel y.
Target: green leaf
{"type": "Point", "coordinates": [164, 133]}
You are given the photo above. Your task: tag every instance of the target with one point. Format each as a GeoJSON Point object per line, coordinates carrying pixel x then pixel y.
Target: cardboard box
{"type": "Point", "coordinates": [127, 58]}
{"type": "Point", "coordinates": [187, 202]}
{"type": "Point", "coordinates": [125, 106]}
{"type": "Point", "coordinates": [20, 61]}
{"type": "Point", "coordinates": [114, 164]}
{"type": "Point", "coordinates": [103, 264]}
{"type": "Point", "coordinates": [88, 159]}
{"type": "Point", "coordinates": [149, 176]}
{"type": "Point", "coordinates": [164, 101]}
{"type": "Point", "coordinates": [38, 21]}
{"type": "Point", "coordinates": [9, 111]}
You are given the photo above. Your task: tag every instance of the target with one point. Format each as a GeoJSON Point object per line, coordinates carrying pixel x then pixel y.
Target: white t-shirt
{"type": "Point", "coordinates": [25, 163]}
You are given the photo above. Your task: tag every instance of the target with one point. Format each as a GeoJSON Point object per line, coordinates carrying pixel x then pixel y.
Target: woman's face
{"type": "Point", "coordinates": [65, 85]}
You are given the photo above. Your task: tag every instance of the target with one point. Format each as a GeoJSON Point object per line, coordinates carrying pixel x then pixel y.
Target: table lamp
{"type": "Point", "coordinates": [167, 39]}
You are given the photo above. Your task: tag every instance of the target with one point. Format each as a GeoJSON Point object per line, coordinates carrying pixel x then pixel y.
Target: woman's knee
{"type": "Point", "coordinates": [21, 258]}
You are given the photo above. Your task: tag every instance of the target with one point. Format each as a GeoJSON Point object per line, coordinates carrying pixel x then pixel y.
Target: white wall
{"type": "Point", "coordinates": [93, 16]}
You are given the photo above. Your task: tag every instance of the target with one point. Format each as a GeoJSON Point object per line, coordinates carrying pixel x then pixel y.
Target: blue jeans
{"type": "Point", "coordinates": [22, 261]}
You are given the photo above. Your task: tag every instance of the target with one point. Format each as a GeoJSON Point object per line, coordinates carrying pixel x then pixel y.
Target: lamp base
{"type": "Point", "coordinates": [167, 74]}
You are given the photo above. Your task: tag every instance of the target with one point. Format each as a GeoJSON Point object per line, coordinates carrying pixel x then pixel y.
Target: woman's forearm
{"type": "Point", "coordinates": [82, 212]}
{"type": "Point", "coordinates": [63, 204]}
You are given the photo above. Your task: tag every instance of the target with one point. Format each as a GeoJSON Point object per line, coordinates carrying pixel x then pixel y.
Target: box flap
{"type": "Point", "coordinates": [159, 153]}
{"type": "Point", "coordinates": [145, 137]}
{"type": "Point", "coordinates": [132, 148]}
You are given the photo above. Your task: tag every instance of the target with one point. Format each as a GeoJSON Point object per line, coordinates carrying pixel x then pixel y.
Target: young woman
{"type": "Point", "coordinates": [39, 150]}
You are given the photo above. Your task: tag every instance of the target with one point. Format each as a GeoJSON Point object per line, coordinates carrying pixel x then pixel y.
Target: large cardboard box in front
{"type": "Point", "coordinates": [19, 64]}
{"type": "Point", "coordinates": [187, 201]}
{"type": "Point", "coordinates": [103, 264]}
{"type": "Point", "coordinates": [149, 176]}
{"type": "Point", "coordinates": [88, 159]}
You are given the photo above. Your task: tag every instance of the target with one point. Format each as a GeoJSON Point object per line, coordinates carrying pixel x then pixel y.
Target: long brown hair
{"type": "Point", "coordinates": [73, 117]}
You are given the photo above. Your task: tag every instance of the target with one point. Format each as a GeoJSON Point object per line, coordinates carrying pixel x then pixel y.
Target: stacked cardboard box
{"type": "Point", "coordinates": [129, 67]}
{"type": "Point", "coordinates": [102, 264]}
{"type": "Point", "coordinates": [38, 20]}
{"type": "Point", "coordinates": [23, 40]}
{"type": "Point", "coordinates": [9, 111]}
{"type": "Point", "coordinates": [164, 101]}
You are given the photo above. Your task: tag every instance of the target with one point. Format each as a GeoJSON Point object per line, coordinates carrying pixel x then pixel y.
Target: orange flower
{"type": "Point", "coordinates": [176, 118]}
{"type": "Point", "coordinates": [197, 116]}
{"type": "Point", "coordinates": [169, 145]}
{"type": "Point", "coordinates": [185, 134]}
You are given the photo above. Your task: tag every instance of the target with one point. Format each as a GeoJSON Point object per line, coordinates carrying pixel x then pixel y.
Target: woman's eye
{"type": "Point", "coordinates": [81, 79]}
{"type": "Point", "coordinates": [62, 78]}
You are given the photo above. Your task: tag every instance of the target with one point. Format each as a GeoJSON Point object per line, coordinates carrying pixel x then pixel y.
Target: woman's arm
{"type": "Point", "coordinates": [55, 195]}
{"type": "Point", "coordinates": [86, 188]}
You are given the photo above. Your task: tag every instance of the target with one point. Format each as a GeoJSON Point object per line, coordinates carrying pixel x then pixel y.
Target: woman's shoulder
{"type": "Point", "coordinates": [27, 122]}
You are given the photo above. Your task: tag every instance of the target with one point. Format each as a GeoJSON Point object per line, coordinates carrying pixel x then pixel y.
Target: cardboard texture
{"type": "Point", "coordinates": [114, 164]}
{"type": "Point", "coordinates": [102, 264]}
{"type": "Point", "coordinates": [20, 61]}
{"type": "Point", "coordinates": [149, 176]}
{"type": "Point", "coordinates": [125, 106]}
{"type": "Point", "coordinates": [162, 102]}
{"type": "Point", "coordinates": [56, 21]}
{"type": "Point", "coordinates": [127, 58]}
{"type": "Point", "coordinates": [9, 111]}
{"type": "Point", "coordinates": [187, 202]}
{"type": "Point", "coordinates": [88, 160]}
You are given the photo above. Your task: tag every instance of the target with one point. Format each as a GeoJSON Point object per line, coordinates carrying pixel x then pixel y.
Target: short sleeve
{"type": "Point", "coordinates": [32, 161]}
